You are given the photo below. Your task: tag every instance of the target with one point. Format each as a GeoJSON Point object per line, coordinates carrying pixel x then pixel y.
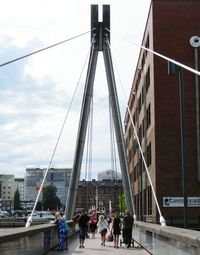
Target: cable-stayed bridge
{"type": "Point", "coordinates": [156, 239]}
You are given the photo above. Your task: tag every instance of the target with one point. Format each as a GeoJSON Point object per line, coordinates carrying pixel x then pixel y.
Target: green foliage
{"type": "Point", "coordinates": [122, 203]}
{"type": "Point", "coordinates": [39, 206]}
{"type": "Point", "coordinates": [50, 200]}
{"type": "Point", "coordinates": [17, 202]}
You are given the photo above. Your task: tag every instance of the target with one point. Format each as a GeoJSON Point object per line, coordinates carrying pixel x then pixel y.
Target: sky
{"type": "Point", "coordinates": [36, 92]}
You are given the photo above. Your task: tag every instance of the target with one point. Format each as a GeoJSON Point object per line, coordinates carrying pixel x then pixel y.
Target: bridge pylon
{"type": "Point", "coordinates": [100, 41]}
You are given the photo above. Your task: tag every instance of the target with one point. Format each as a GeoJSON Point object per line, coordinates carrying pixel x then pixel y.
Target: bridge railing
{"type": "Point", "coordinates": [166, 240]}
{"type": "Point", "coordinates": [38, 239]}
{"type": "Point", "coordinates": [154, 238]}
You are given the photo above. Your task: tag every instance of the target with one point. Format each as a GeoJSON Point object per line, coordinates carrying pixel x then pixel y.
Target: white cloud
{"type": "Point", "coordinates": [36, 92]}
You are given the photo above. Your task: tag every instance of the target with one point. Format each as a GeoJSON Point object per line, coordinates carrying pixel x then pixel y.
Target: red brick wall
{"type": "Point", "coordinates": [174, 22]}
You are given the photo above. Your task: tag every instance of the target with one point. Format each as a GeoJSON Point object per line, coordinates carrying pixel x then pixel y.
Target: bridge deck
{"type": "Point", "coordinates": [93, 247]}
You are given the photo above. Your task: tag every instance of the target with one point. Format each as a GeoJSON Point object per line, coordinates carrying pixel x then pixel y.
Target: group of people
{"type": "Point", "coordinates": [116, 226]}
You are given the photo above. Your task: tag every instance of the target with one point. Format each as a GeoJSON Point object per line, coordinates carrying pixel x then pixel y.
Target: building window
{"type": "Point", "coordinates": [143, 128]}
{"type": "Point", "coordinates": [145, 201]}
{"type": "Point", "coordinates": [140, 104]}
{"type": "Point", "coordinates": [143, 59]}
{"type": "Point", "coordinates": [148, 114]}
{"type": "Point", "coordinates": [149, 154]}
{"type": "Point", "coordinates": [136, 146]}
{"type": "Point", "coordinates": [143, 95]}
{"type": "Point", "coordinates": [149, 200]}
{"type": "Point", "coordinates": [140, 133]}
{"type": "Point", "coordinates": [147, 42]}
{"type": "Point", "coordinates": [147, 79]}
{"type": "Point", "coordinates": [134, 119]}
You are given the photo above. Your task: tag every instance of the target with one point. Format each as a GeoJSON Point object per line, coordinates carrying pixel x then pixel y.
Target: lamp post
{"type": "Point", "coordinates": [172, 69]}
{"type": "Point", "coordinates": [195, 43]}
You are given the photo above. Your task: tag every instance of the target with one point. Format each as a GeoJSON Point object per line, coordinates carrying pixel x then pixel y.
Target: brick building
{"type": "Point", "coordinates": [94, 194]}
{"type": "Point", "coordinates": [154, 104]}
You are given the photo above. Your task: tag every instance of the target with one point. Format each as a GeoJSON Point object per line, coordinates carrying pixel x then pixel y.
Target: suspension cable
{"type": "Point", "coordinates": [112, 143]}
{"type": "Point", "coordinates": [88, 166]}
{"type": "Point", "coordinates": [87, 154]}
{"type": "Point", "coordinates": [43, 49]}
{"type": "Point", "coordinates": [159, 55]}
{"type": "Point", "coordinates": [162, 219]}
{"type": "Point", "coordinates": [91, 141]}
{"type": "Point", "coordinates": [29, 220]}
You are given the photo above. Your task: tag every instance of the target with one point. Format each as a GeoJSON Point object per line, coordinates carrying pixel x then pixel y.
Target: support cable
{"type": "Point", "coordinates": [87, 153]}
{"type": "Point", "coordinates": [43, 49]}
{"type": "Point", "coordinates": [88, 166]}
{"type": "Point", "coordinates": [160, 55]}
{"type": "Point", "coordinates": [162, 219]}
{"type": "Point", "coordinates": [91, 142]}
{"type": "Point", "coordinates": [112, 143]}
{"type": "Point", "coordinates": [30, 218]}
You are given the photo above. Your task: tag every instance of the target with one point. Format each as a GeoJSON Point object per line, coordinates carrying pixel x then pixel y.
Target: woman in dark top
{"type": "Point", "coordinates": [83, 221]}
{"type": "Point", "coordinates": [116, 229]}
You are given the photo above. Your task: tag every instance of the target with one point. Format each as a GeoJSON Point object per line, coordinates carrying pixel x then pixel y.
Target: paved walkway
{"type": "Point", "coordinates": [93, 247]}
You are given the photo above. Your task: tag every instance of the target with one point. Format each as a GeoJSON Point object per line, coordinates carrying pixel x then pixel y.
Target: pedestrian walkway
{"type": "Point", "coordinates": [93, 247]}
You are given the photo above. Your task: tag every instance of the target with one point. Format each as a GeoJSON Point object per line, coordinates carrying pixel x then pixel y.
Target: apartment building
{"type": "Point", "coordinates": [59, 177]}
{"type": "Point", "coordinates": [155, 110]}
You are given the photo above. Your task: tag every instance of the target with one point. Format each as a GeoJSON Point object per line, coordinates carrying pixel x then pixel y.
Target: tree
{"type": "Point", "coordinates": [39, 206]}
{"type": "Point", "coordinates": [50, 200]}
{"type": "Point", "coordinates": [122, 203]}
{"type": "Point", "coordinates": [17, 202]}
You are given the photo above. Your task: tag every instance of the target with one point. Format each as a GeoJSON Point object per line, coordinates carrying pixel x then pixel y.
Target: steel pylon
{"type": "Point", "coordinates": [100, 41]}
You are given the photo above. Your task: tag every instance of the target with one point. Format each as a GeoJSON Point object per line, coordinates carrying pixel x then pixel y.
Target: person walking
{"type": "Point", "coordinates": [127, 228]}
{"type": "Point", "coordinates": [83, 221]}
{"type": "Point", "coordinates": [116, 226]}
{"type": "Point", "coordinates": [102, 228]}
{"type": "Point", "coordinates": [62, 231]}
{"type": "Point", "coordinates": [93, 224]}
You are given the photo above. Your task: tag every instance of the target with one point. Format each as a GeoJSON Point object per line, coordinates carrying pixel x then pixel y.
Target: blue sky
{"type": "Point", "coordinates": [36, 92]}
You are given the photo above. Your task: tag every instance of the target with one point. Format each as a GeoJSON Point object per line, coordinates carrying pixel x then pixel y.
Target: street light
{"type": "Point", "coordinates": [195, 43]}
{"type": "Point", "coordinates": [172, 69]}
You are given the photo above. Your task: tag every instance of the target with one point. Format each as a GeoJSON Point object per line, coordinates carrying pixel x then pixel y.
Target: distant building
{"type": "Point", "coordinates": [109, 175]}
{"type": "Point", "coordinates": [19, 184]}
{"type": "Point", "coordinates": [94, 194]}
{"type": "Point", "coordinates": [6, 205]}
{"type": "Point", "coordinates": [58, 177]}
{"type": "Point", "coordinates": [7, 186]}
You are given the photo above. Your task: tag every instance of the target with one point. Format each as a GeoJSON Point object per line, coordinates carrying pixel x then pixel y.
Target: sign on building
{"type": "Point", "coordinates": [179, 201]}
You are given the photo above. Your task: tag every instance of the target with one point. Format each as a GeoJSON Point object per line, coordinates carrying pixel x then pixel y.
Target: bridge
{"type": "Point", "coordinates": [148, 238]}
